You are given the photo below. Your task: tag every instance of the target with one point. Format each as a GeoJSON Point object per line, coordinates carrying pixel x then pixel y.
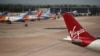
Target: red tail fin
{"type": "Point", "coordinates": [78, 34]}
{"type": "Point", "coordinates": [39, 14]}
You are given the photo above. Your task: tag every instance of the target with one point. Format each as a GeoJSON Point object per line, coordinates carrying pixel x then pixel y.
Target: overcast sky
{"type": "Point", "coordinates": [51, 2]}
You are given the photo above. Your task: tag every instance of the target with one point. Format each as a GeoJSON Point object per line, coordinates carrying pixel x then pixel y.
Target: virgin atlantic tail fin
{"type": "Point", "coordinates": [77, 33]}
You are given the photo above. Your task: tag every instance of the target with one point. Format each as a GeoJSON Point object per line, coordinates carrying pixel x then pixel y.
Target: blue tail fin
{"type": "Point", "coordinates": [4, 14]}
{"type": "Point", "coordinates": [26, 16]}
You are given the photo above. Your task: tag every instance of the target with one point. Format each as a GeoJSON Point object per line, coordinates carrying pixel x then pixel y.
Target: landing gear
{"type": "Point", "coordinates": [38, 19]}
{"type": "Point", "coordinates": [9, 22]}
{"type": "Point", "coordinates": [23, 20]}
{"type": "Point", "coordinates": [26, 25]}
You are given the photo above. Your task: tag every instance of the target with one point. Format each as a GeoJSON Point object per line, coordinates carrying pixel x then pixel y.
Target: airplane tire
{"type": "Point", "coordinates": [26, 25]}
{"type": "Point", "coordinates": [9, 22]}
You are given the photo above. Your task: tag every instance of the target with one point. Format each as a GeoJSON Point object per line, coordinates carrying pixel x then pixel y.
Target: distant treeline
{"type": "Point", "coordinates": [20, 8]}
{"type": "Point", "coordinates": [15, 8]}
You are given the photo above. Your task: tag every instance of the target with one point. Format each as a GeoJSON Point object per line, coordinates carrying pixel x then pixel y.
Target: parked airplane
{"type": "Point", "coordinates": [79, 35]}
{"type": "Point", "coordinates": [25, 17]}
{"type": "Point", "coordinates": [22, 18]}
{"type": "Point", "coordinates": [46, 15]}
{"type": "Point", "coordinates": [41, 16]}
{"type": "Point", "coordinates": [37, 16]}
{"type": "Point", "coordinates": [3, 17]}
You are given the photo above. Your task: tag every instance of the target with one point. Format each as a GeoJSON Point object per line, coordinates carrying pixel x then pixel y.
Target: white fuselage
{"type": "Point", "coordinates": [95, 45]}
{"type": "Point", "coordinates": [14, 18]}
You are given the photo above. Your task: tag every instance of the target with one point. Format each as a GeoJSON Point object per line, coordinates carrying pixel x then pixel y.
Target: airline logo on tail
{"type": "Point", "coordinates": [78, 35]}
{"type": "Point", "coordinates": [3, 16]}
{"type": "Point", "coordinates": [76, 31]}
{"type": "Point", "coordinates": [75, 34]}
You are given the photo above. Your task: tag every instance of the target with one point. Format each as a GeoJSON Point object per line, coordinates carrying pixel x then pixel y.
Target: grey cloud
{"type": "Point", "coordinates": [51, 2]}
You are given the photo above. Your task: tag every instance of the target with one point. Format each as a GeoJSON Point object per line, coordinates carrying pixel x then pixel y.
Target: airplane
{"type": "Point", "coordinates": [24, 17]}
{"type": "Point", "coordinates": [43, 16]}
{"type": "Point", "coordinates": [3, 17]}
{"type": "Point", "coordinates": [37, 16]}
{"type": "Point", "coordinates": [78, 35]}
{"type": "Point", "coordinates": [46, 15]}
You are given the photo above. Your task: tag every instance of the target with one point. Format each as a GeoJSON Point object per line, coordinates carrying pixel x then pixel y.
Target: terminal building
{"type": "Point", "coordinates": [77, 11]}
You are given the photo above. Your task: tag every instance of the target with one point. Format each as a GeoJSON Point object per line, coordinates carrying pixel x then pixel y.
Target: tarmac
{"type": "Point", "coordinates": [44, 38]}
